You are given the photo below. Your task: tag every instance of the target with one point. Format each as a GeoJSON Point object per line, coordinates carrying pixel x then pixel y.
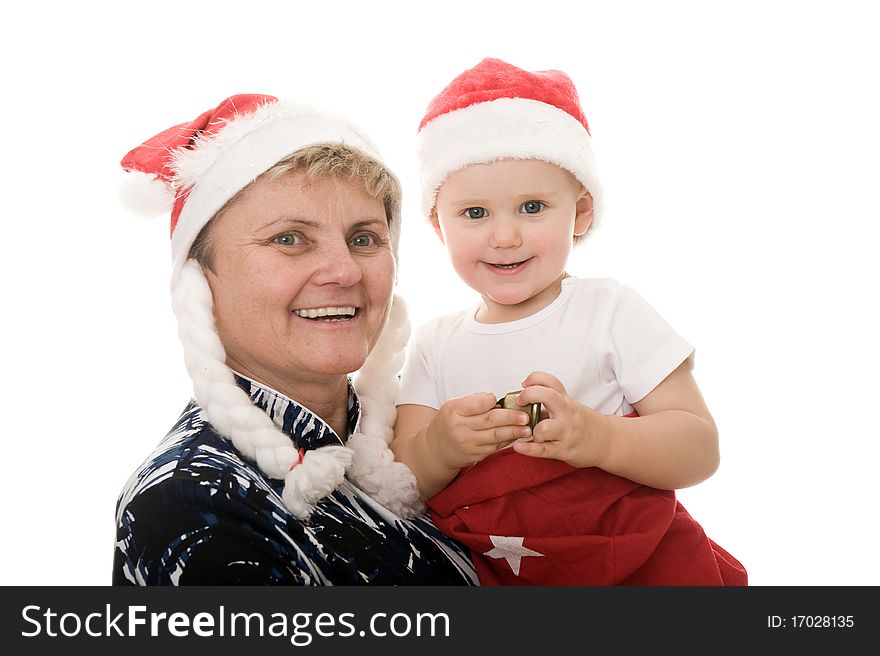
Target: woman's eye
{"type": "Point", "coordinates": [532, 206]}
{"type": "Point", "coordinates": [475, 212]}
{"type": "Point", "coordinates": [364, 240]}
{"type": "Point", "coordinates": [286, 239]}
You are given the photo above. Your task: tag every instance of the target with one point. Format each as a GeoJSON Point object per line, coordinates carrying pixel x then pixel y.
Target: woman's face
{"type": "Point", "coordinates": [302, 279]}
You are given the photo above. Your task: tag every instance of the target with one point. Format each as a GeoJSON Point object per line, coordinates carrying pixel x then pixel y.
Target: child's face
{"type": "Point", "coordinates": [508, 227]}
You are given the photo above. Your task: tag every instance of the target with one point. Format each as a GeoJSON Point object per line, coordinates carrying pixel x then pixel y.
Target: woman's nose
{"type": "Point", "coordinates": [337, 266]}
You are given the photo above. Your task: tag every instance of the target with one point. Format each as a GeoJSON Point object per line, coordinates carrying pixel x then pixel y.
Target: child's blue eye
{"type": "Point", "coordinates": [475, 212]}
{"type": "Point", "coordinates": [532, 206]}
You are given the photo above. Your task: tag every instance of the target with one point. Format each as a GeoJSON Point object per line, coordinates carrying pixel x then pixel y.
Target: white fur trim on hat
{"type": "Point", "coordinates": [219, 166]}
{"type": "Point", "coordinates": [506, 128]}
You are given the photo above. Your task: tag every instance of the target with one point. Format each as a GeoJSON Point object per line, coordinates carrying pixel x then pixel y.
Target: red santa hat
{"type": "Point", "coordinates": [498, 111]}
{"type": "Point", "coordinates": [190, 171]}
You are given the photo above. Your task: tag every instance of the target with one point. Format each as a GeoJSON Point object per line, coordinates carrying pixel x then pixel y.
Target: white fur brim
{"type": "Point", "coordinates": [507, 128]}
{"type": "Point", "coordinates": [220, 166]}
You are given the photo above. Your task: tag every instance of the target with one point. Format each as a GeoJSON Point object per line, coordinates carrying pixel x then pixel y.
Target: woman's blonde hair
{"type": "Point", "coordinates": [318, 161]}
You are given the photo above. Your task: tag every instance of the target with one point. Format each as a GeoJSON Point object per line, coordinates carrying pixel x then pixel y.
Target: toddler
{"type": "Point", "coordinates": [585, 496]}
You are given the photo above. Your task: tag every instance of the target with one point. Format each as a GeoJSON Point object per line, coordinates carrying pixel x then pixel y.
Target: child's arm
{"type": "Point", "coordinates": [436, 444]}
{"type": "Point", "coordinates": [672, 444]}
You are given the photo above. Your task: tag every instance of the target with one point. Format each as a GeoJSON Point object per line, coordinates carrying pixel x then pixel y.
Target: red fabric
{"type": "Point", "coordinates": [492, 79]}
{"type": "Point", "coordinates": [155, 154]}
{"type": "Point", "coordinates": [589, 527]}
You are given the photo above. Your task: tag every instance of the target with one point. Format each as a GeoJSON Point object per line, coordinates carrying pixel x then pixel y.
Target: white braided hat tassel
{"type": "Point", "coordinates": [374, 468]}
{"type": "Point", "coordinates": [231, 412]}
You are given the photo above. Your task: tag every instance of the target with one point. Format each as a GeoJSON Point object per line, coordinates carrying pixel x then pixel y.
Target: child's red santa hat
{"type": "Point", "coordinates": [498, 111]}
{"type": "Point", "coordinates": [191, 170]}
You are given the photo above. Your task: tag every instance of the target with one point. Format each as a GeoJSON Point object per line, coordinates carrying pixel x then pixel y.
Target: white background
{"type": "Point", "coordinates": [738, 145]}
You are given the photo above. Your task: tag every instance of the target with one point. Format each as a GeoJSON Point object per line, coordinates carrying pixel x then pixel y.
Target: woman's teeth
{"type": "Point", "coordinates": [327, 313]}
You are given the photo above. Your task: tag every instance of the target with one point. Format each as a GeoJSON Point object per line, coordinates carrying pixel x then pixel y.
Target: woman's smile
{"type": "Point", "coordinates": [329, 313]}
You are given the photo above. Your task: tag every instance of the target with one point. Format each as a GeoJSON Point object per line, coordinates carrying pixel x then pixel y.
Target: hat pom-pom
{"type": "Point", "coordinates": [146, 194]}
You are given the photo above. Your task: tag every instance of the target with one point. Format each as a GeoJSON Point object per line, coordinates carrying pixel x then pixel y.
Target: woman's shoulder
{"type": "Point", "coordinates": [191, 504]}
{"type": "Point", "coordinates": [188, 467]}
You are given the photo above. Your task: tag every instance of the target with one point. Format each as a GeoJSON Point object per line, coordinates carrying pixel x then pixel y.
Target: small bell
{"type": "Point", "coordinates": [533, 410]}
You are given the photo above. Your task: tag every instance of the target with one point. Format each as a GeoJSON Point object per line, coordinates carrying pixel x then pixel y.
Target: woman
{"type": "Point", "coordinates": [284, 234]}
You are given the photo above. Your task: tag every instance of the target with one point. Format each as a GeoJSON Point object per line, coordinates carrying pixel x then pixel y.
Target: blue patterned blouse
{"type": "Point", "coordinates": [198, 513]}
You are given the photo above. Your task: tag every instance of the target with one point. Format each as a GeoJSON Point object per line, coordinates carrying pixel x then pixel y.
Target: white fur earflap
{"type": "Point", "coordinates": [146, 194]}
{"type": "Point", "coordinates": [374, 468]}
{"type": "Point", "coordinates": [232, 414]}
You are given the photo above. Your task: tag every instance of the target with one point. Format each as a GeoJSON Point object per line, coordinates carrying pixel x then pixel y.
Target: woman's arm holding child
{"type": "Point", "coordinates": [672, 444]}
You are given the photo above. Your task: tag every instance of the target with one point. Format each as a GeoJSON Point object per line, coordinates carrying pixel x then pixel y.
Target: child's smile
{"type": "Point", "coordinates": [509, 269]}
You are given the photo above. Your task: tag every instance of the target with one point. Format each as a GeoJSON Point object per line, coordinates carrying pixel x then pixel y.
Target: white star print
{"type": "Point", "coordinates": [511, 549]}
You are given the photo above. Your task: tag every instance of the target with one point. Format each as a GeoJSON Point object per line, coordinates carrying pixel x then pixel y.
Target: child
{"type": "Point", "coordinates": [585, 497]}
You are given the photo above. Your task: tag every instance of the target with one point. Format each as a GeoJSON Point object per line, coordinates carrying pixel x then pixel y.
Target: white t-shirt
{"type": "Point", "coordinates": [606, 344]}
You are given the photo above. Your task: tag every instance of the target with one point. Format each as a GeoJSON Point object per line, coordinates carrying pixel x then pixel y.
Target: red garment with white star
{"type": "Point", "coordinates": [533, 521]}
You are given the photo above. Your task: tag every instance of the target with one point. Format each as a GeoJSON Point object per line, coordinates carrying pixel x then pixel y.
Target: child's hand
{"type": "Point", "coordinates": [468, 428]}
{"type": "Point", "coordinates": [571, 432]}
